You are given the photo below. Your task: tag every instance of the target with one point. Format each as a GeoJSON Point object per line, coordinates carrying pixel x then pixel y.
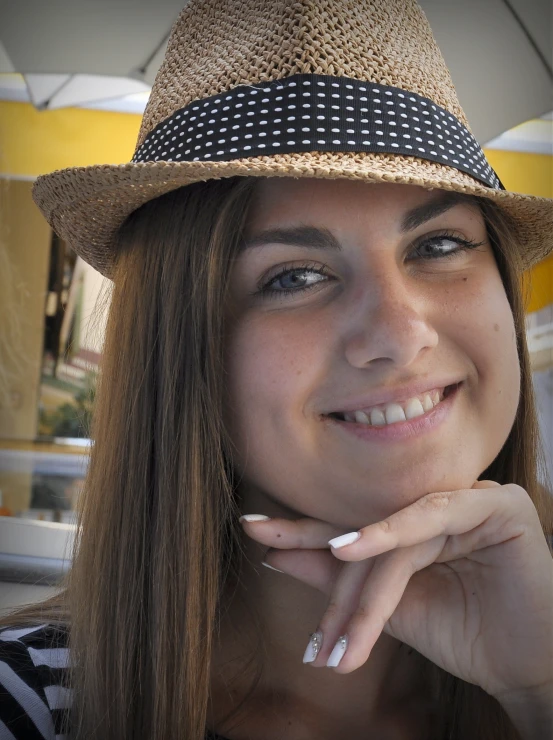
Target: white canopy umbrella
{"type": "Point", "coordinates": [61, 91]}
{"type": "Point", "coordinates": [74, 52]}
{"type": "Point", "coordinates": [500, 55]}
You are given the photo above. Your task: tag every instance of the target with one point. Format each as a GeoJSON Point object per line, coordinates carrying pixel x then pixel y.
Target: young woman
{"type": "Point", "coordinates": [314, 361]}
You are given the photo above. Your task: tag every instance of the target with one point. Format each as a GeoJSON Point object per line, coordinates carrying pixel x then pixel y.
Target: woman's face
{"type": "Point", "coordinates": [376, 316]}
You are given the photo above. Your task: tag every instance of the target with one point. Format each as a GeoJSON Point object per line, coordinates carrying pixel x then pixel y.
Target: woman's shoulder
{"type": "Point", "coordinates": [35, 697]}
{"type": "Point", "coordinates": [34, 694]}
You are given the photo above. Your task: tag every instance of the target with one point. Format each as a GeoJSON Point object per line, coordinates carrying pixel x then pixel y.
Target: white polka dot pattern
{"type": "Point", "coordinates": [304, 113]}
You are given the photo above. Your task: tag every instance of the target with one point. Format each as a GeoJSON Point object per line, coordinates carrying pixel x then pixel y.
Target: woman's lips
{"type": "Point", "coordinates": [402, 430]}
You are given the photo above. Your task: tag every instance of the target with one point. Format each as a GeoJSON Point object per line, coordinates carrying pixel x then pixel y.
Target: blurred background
{"type": "Point", "coordinates": [75, 77]}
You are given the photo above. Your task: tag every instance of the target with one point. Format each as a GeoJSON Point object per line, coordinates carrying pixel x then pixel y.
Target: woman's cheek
{"type": "Point", "coordinates": [491, 335]}
{"type": "Point", "coordinates": [257, 377]}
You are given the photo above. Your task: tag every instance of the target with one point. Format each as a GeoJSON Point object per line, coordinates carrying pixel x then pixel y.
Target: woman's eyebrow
{"type": "Point", "coordinates": [301, 236]}
{"type": "Point", "coordinates": [433, 208]}
{"type": "Point", "coordinates": [322, 238]}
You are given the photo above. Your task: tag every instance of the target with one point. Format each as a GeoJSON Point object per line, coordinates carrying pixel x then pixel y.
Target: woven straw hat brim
{"type": "Point", "coordinates": [86, 205]}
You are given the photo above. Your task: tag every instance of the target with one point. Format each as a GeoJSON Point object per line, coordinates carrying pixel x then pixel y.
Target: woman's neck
{"type": "Point", "coordinates": [292, 699]}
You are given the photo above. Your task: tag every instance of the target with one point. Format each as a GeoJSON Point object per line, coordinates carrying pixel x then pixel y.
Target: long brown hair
{"type": "Point", "coordinates": [158, 516]}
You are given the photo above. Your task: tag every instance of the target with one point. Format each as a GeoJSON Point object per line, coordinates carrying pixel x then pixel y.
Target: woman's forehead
{"type": "Point", "coordinates": [276, 199]}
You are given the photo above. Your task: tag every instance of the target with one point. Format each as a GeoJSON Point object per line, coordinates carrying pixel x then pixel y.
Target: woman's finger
{"type": "Point", "coordinates": [316, 568]}
{"type": "Point", "coordinates": [377, 601]}
{"type": "Point", "coordinates": [344, 600]}
{"type": "Point", "coordinates": [291, 534]}
{"type": "Point", "coordinates": [443, 513]}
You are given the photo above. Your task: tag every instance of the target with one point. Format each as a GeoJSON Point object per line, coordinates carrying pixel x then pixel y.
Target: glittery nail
{"type": "Point", "coordinates": [338, 652]}
{"type": "Point", "coordinates": [312, 650]}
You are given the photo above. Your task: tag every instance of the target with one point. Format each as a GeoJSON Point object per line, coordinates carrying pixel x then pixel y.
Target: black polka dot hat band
{"type": "Point", "coordinates": [333, 89]}
{"type": "Point", "coordinates": [306, 113]}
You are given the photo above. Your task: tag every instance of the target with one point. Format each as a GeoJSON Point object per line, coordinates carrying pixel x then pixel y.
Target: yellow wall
{"type": "Point", "coordinates": [33, 142]}
{"type": "Point", "coordinates": [531, 174]}
{"type": "Point", "coordinates": [541, 282]}
{"type": "Point", "coordinates": [25, 243]}
{"type": "Point", "coordinates": [523, 172]}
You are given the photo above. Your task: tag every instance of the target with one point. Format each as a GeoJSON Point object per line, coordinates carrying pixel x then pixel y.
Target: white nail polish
{"type": "Point", "coordinates": [312, 650]}
{"type": "Point", "coordinates": [338, 652]}
{"type": "Point", "coordinates": [254, 518]}
{"type": "Point", "coordinates": [344, 539]}
{"type": "Point", "coordinates": [271, 567]}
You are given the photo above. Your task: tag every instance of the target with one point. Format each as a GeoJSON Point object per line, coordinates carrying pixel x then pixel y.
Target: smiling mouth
{"type": "Point", "coordinates": [394, 413]}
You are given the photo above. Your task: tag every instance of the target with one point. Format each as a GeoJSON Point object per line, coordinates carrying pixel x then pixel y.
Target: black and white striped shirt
{"type": "Point", "coordinates": [35, 698]}
{"type": "Point", "coordinates": [34, 695]}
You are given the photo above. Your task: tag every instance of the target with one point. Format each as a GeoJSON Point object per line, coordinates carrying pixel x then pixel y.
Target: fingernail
{"type": "Point", "coordinates": [254, 518]}
{"type": "Point", "coordinates": [312, 650]}
{"type": "Point", "coordinates": [344, 539]}
{"type": "Point", "coordinates": [271, 567]}
{"type": "Point", "coordinates": [338, 652]}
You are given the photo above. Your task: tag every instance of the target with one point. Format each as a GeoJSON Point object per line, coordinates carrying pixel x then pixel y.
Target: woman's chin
{"type": "Point", "coordinates": [371, 506]}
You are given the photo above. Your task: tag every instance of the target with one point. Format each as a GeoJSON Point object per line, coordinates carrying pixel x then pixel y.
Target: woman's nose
{"type": "Point", "coordinates": [390, 320]}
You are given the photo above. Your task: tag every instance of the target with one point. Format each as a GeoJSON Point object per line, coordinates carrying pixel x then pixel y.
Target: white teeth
{"type": "Point", "coordinates": [377, 418]}
{"type": "Point", "coordinates": [414, 408]}
{"type": "Point", "coordinates": [394, 412]}
{"type": "Point", "coordinates": [427, 402]}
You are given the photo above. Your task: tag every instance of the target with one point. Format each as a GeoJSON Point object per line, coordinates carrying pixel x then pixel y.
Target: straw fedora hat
{"type": "Point", "coordinates": [354, 89]}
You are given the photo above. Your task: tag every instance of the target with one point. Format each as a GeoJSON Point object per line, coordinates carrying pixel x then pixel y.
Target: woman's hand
{"type": "Point", "coordinates": [465, 577]}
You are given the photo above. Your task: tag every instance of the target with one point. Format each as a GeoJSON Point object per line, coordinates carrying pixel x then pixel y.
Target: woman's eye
{"type": "Point", "coordinates": [438, 252]}
{"type": "Point", "coordinates": [294, 280]}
